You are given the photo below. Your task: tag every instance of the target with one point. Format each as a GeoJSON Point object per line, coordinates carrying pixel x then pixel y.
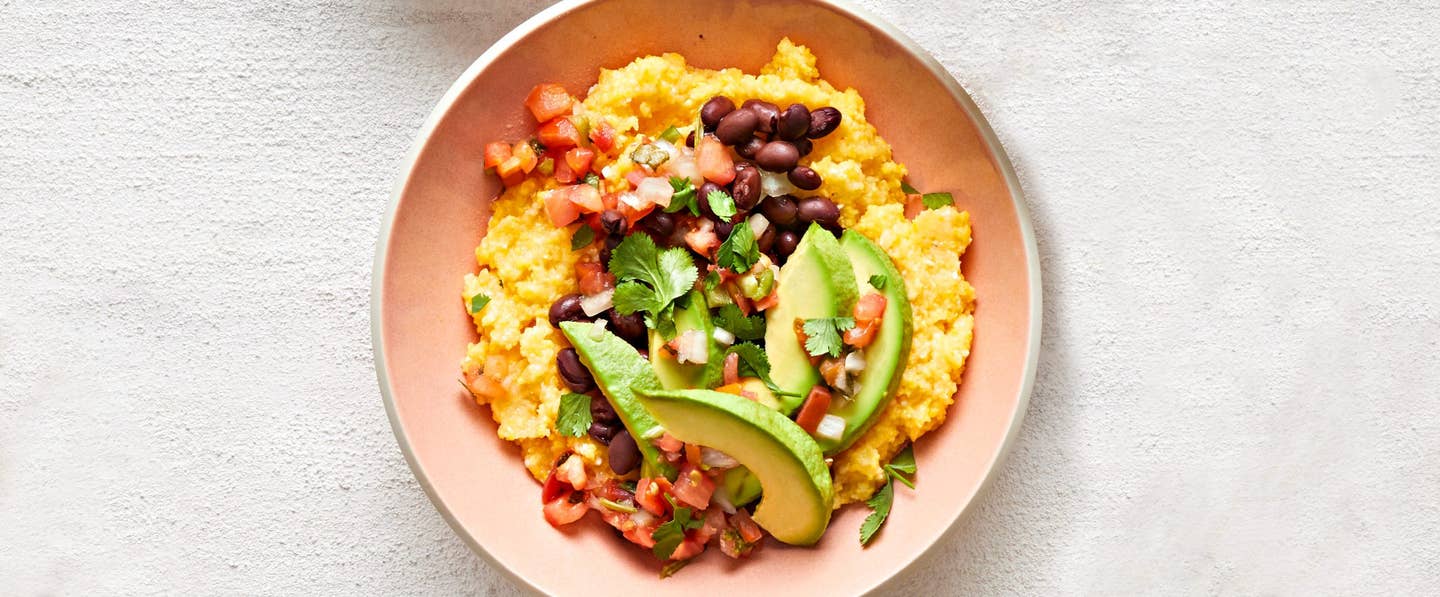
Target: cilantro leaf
{"type": "Point", "coordinates": [880, 510]}
{"type": "Point", "coordinates": [735, 322]}
{"type": "Point", "coordinates": [584, 235]}
{"type": "Point", "coordinates": [901, 465]}
{"type": "Point", "coordinates": [477, 303]}
{"type": "Point", "coordinates": [822, 335]}
{"type": "Point", "coordinates": [753, 362]}
{"type": "Point", "coordinates": [684, 196]}
{"type": "Point", "coordinates": [592, 179]}
{"type": "Point", "coordinates": [712, 281]}
{"type": "Point", "coordinates": [721, 204]}
{"type": "Point", "coordinates": [670, 134]}
{"type": "Point", "coordinates": [937, 200]}
{"type": "Point", "coordinates": [878, 281]}
{"type": "Point", "coordinates": [909, 190]}
{"type": "Point", "coordinates": [671, 568]}
{"type": "Point", "coordinates": [573, 420]}
{"type": "Point", "coordinates": [651, 279]}
{"type": "Point", "coordinates": [669, 535]}
{"type": "Point", "coordinates": [739, 252]}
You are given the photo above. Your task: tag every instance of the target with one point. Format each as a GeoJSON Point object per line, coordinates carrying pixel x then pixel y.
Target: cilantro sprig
{"type": "Point", "coordinates": [476, 303]}
{"type": "Point", "coordinates": [651, 280]}
{"type": "Point", "coordinates": [669, 535]}
{"type": "Point", "coordinates": [901, 465]}
{"type": "Point", "coordinates": [721, 204]}
{"type": "Point", "coordinates": [754, 363]}
{"type": "Point", "coordinates": [573, 420]}
{"type": "Point", "coordinates": [732, 320]}
{"type": "Point", "coordinates": [822, 335]}
{"type": "Point", "coordinates": [584, 235]}
{"type": "Point", "coordinates": [683, 197]}
{"type": "Point", "coordinates": [878, 281]}
{"type": "Point", "coordinates": [937, 200]}
{"type": "Point", "coordinates": [909, 190]}
{"type": "Point", "coordinates": [739, 252]}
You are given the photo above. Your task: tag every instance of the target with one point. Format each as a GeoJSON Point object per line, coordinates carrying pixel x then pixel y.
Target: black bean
{"type": "Point", "coordinates": [804, 146]}
{"type": "Point", "coordinates": [602, 411]}
{"type": "Point", "coordinates": [723, 228]}
{"type": "Point", "coordinates": [818, 209]}
{"type": "Point", "coordinates": [767, 112]}
{"type": "Point", "coordinates": [573, 372]}
{"type": "Point", "coordinates": [624, 454]}
{"type": "Point", "coordinates": [793, 123]}
{"type": "Point", "coordinates": [614, 222]}
{"type": "Point", "coordinates": [601, 432]}
{"type": "Point", "coordinates": [566, 308]}
{"type": "Point", "coordinates": [746, 186]}
{"type": "Point", "coordinates": [785, 243]}
{"type": "Point", "coordinates": [630, 327]}
{"type": "Point", "coordinates": [659, 224]}
{"type": "Point", "coordinates": [690, 139]}
{"type": "Point", "coordinates": [702, 196]}
{"type": "Point", "coordinates": [766, 240]}
{"type": "Point", "coordinates": [777, 156]}
{"type": "Point", "coordinates": [736, 127]}
{"type": "Point", "coordinates": [714, 110]}
{"type": "Point", "coordinates": [749, 148]}
{"type": "Point", "coordinates": [823, 122]}
{"type": "Point", "coordinates": [611, 241]}
{"type": "Point", "coordinates": [779, 210]}
{"type": "Point", "coordinates": [804, 178]}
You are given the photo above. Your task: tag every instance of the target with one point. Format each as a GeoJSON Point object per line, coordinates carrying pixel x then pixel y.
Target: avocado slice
{"type": "Point", "coordinates": [675, 375]}
{"type": "Point", "coordinates": [740, 485]}
{"type": "Point", "coordinates": [619, 370]}
{"type": "Point", "coordinates": [885, 356]}
{"type": "Point", "coordinates": [797, 495]}
{"type": "Point", "coordinates": [817, 281]}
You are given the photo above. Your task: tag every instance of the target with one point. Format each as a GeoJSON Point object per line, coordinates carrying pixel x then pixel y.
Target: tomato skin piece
{"type": "Point", "coordinates": [870, 307]}
{"type": "Point", "coordinates": [650, 495]}
{"type": "Point", "coordinates": [693, 488]}
{"type": "Point", "coordinates": [715, 165]}
{"type": "Point", "coordinates": [593, 277]}
{"type": "Point", "coordinates": [560, 511]}
{"type": "Point", "coordinates": [496, 153]}
{"type": "Point", "coordinates": [548, 100]}
{"type": "Point", "coordinates": [687, 549]}
{"type": "Point", "coordinates": [561, 210]}
{"type": "Point", "coordinates": [526, 153]}
{"type": "Point", "coordinates": [563, 173]}
{"type": "Point", "coordinates": [817, 403]}
{"type": "Point", "coordinates": [584, 196]}
{"type": "Point", "coordinates": [862, 334]}
{"type": "Point", "coordinates": [558, 135]}
{"type": "Point", "coordinates": [603, 136]}
{"type": "Point", "coordinates": [579, 160]}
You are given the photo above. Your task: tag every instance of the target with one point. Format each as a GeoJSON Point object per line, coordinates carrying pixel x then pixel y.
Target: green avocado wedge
{"type": "Point", "coordinates": [675, 375]}
{"type": "Point", "coordinates": [885, 356]}
{"type": "Point", "coordinates": [796, 492]}
{"type": "Point", "coordinates": [817, 281]}
{"type": "Point", "coordinates": [619, 370]}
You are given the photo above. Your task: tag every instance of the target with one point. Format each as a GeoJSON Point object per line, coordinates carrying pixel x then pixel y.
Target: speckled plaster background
{"type": "Point", "coordinates": [1239, 220]}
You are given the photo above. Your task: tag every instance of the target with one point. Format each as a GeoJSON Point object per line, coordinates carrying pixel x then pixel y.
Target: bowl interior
{"type": "Point", "coordinates": [439, 216]}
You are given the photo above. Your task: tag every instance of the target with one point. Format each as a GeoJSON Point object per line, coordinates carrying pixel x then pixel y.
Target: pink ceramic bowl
{"type": "Point", "coordinates": [440, 208]}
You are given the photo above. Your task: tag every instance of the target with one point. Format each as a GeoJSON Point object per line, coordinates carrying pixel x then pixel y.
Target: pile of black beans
{"type": "Point", "coordinates": [775, 139]}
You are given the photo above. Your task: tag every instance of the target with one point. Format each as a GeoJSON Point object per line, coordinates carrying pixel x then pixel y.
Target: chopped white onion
{"type": "Point", "coordinates": [855, 362]}
{"type": "Point", "coordinates": [842, 382]}
{"type": "Point", "coordinates": [716, 459]}
{"type": "Point", "coordinates": [655, 189]}
{"type": "Point", "coordinates": [633, 200]}
{"type": "Point", "coordinates": [723, 336]}
{"type": "Point", "coordinates": [831, 427]}
{"type": "Point", "coordinates": [775, 184]}
{"type": "Point", "coordinates": [684, 167]}
{"type": "Point", "coordinates": [721, 498]}
{"type": "Point", "coordinates": [758, 224]}
{"type": "Point", "coordinates": [641, 518]}
{"type": "Point", "coordinates": [667, 146]}
{"type": "Point", "coordinates": [597, 329]}
{"type": "Point", "coordinates": [693, 348]}
{"type": "Point", "coordinates": [608, 171]}
{"type": "Point", "coordinates": [596, 304]}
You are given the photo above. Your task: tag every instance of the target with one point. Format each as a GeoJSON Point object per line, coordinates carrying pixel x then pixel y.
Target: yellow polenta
{"type": "Point", "coordinates": [526, 262]}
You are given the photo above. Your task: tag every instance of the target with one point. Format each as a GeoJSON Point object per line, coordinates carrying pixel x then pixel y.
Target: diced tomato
{"type": "Point", "coordinates": [650, 495]}
{"type": "Point", "coordinates": [870, 307]}
{"type": "Point", "coordinates": [548, 100]}
{"type": "Point", "coordinates": [714, 523]}
{"type": "Point", "coordinates": [692, 454]}
{"type": "Point", "coordinates": [633, 215]}
{"type": "Point", "coordinates": [579, 159]}
{"type": "Point", "coordinates": [814, 409]}
{"type": "Point", "coordinates": [593, 277]}
{"type": "Point", "coordinates": [732, 545]}
{"type": "Point", "coordinates": [862, 334]}
{"type": "Point", "coordinates": [510, 172]}
{"type": "Point", "coordinates": [702, 238]}
{"type": "Point", "coordinates": [484, 387]}
{"type": "Point", "coordinates": [642, 534]}
{"type": "Point", "coordinates": [563, 173]}
{"type": "Point", "coordinates": [731, 370]}
{"type": "Point", "coordinates": [831, 370]}
{"type": "Point", "coordinates": [558, 135]}
{"type": "Point", "coordinates": [572, 471]}
{"type": "Point", "coordinates": [692, 487]}
{"type": "Point", "coordinates": [687, 549]}
{"type": "Point", "coordinates": [561, 511]}
{"type": "Point", "coordinates": [668, 443]}
{"type": "Point", "coordinates": [715, 164]}
{"type": "Point", "coordinates": [554, 488]}
{"type": "Point", "coordinates": [741, 301]}
{"type": "Point", "coordinates": [636, 176]}
{"type": "Point", "coordinates": [913, 206]}
{"type": "Point", "coordinates": [526, 153]}
{"type": "Point", "coordinates": [769, 301]}
{"type": "Point", "coordinates": [584, 196]}
{"type": "Point", "coordinates": [603, 136]}
{"type": "Point", "coordinates": [495, 153]}
{"type": "Point", "coordinates": [562, 211]}
{"type": "Point", "coordinates": [749, 531]}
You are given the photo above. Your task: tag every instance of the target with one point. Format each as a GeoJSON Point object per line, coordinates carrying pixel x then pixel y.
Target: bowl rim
{"type": "Point", "coordinates": [443, 106]}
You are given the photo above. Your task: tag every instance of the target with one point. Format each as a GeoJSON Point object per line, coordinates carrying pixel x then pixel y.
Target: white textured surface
{"type": "Point", "coordinates": [1238, 212]}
